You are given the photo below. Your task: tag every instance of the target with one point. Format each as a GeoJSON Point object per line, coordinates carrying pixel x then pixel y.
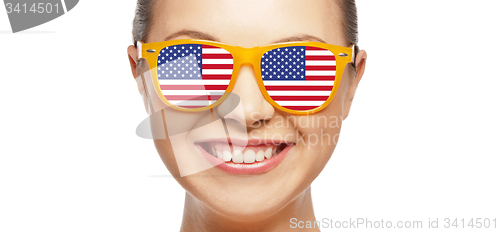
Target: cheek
{"type": "Point", "coordinates": [324, 125]}
{"type": "Point", "coordinates": [320, 133]}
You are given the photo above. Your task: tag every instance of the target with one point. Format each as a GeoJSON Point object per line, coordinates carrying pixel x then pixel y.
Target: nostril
{"type": "Point", "coordinates": [260, 122]}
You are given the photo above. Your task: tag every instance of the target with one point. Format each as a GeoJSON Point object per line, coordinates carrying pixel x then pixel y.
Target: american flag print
{"type": "Point", "coordinates": [194, 75]}
{"type": "Point", "coordinates": [299, 77]}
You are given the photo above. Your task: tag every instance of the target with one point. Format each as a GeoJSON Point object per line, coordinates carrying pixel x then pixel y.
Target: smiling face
{"type": "Point", "coordinates": [272, 156]}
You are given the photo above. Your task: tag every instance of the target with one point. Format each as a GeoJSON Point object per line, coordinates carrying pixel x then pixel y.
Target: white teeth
{"type": "Point", "coordinates": [249, 156]}
{"type": "Point", "coordinates": [219, 154]}
{"type": "Point", "coordinates": [240, 155]}
{"type": "Point", "coordinates": [226, 156]}
{"type": "Point", "coordinates": [236, 152]}
{"type": "Point", "coordinates": [259, 156]}
{"type": "Point", "coordinates": [268, 153]}
{"type": "Point", "coordinates": [237, 157]}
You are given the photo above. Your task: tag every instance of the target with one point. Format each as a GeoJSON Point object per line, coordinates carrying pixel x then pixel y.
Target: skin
{"type": "Point", "coordinates": [216, 200]}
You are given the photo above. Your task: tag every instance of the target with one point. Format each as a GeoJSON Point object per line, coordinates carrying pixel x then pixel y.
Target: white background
{"type": "Point", "coordinates": [422, 139]}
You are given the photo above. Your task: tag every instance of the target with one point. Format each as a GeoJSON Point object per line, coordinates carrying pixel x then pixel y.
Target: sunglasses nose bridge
{"type": "Point", "coordinates": [245, 56]}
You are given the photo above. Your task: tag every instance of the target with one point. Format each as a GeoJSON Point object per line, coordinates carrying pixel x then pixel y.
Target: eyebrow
{"type": "Point", "coordinates": [300, 38]}
{"type": "Point", "coordinates": [192, 34]}
{"type": "Point", "coordinates": [205, 36]}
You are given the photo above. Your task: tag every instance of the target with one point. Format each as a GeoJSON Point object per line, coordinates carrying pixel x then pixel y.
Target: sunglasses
{"type": "Point", "coordinates": [197, 75]}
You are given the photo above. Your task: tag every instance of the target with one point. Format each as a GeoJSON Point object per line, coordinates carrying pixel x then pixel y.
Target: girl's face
{"type": "Point", "coordinates": [309, 140]}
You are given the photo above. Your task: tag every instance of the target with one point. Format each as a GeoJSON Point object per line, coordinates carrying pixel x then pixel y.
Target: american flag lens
{"type": "Point", "coordinates": [194, 75]}
{"type": "Point", "coordinates": [299, 77]}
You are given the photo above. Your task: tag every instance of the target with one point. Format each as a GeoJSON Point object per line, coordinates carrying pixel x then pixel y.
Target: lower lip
{"type": "Point", "coordinates": [247, 169]}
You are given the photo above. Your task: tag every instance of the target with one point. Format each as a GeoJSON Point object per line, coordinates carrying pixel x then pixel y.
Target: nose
{"type": "Point", "coordinates": [255, 107]}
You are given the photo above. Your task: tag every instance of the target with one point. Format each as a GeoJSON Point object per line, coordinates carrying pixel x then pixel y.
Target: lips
{"type": "Point", "coordinates": [253, 158]}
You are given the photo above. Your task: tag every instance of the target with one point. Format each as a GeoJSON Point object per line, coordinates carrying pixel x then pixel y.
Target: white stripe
{"type": "Point", "coordinates": [191, 103]}
{"type": "Point", "coordinates": [217, 61]}
{"type": "Point", "coordinates": [193, 92]}
{"type": "Point", "coordinates": [214, 51]}
{"type": "Point", "coordinates": [319, 53]}
{"type": "Point", "coordinates": [300, 103]}
{"type": "Point", "coordinates": [321, 62]}
{"type": "Point", "coordinates": [300, 83]}
{"type": "Point", "coordinates": [193, 82]}
{"type": "Point", "coordinates": [63, 4]}
{"type": "Point", "coordinates": [218, 71]}
{"type": "Point", "coordinates": [320, 73]}
{"type": "Point", "coordinates": [299, 93]}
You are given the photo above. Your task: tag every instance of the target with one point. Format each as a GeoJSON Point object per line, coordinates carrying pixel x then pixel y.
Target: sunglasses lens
{"type": "Point", "coordinates": [194, 75]}
{"type": "Point", "coordinates": [299, 77]}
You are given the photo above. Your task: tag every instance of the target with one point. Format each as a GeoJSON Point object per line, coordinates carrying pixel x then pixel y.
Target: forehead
{"type": "Point", "coordinates": [247, 23]}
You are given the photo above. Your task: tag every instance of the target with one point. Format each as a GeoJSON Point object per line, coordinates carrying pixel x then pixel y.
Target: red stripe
{"type": "Point", "coordinates": [192, 97]}
{"type": "Point", "coordinates": [301, 107]}
{"type": "Point", "coordinates": [299, 98]}
{"type": "Point", "coordinates": [208, 46]}
{"type": "Point", "coordinates": [216, 77]}
{"type": "Point", "coordinates": [309, 57]}
{"type": "Point", "coordinates": [217, 66]}
{"type": "Point", "coordinates": [193, 87]}
{"type": "Point", "coordinates": [314, 48]}
{"type": "Point", "coordinates": [299, 88]}
{"type": "Point", "coordinates": [321, 68]}
{"type": "Point", "coordinates": [320, 78]}
{"type": "Point", "coordinates": [217, 56]}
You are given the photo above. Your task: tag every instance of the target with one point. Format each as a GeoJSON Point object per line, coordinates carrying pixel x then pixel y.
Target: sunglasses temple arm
{"type": "Point", "coordinates": [139, 50]}
{"type": "Point", "coordinates": [355, 50]}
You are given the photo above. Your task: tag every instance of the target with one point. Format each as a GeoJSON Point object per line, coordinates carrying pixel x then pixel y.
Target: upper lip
{"type": "Point", "coordinates": [244, 142]}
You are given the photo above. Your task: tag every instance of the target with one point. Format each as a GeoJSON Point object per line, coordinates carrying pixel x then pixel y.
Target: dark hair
{"type": "Point", "coordinates": [349, 13]}
{"type": "Point", "coordinates": [142, 20]}
{"type": "Point", "coordinates": [144, 12]}
{"type": "Point", "coordinates": [350, 22]}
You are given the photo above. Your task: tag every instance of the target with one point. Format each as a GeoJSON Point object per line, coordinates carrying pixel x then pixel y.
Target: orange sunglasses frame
{"type": "Point", "coordinates": [243, 55]}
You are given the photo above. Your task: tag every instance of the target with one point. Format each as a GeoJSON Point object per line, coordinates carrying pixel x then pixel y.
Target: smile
{"type": "Point", "coordinates": [249, 159]}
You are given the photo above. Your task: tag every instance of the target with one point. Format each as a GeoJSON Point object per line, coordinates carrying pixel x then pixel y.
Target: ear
{"type": "Point", "coordinates": [132, 57]}
{"type": "Point", "coordinates": [141, 86]}
{"type": "Point", "coordinates": [354, 81]}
